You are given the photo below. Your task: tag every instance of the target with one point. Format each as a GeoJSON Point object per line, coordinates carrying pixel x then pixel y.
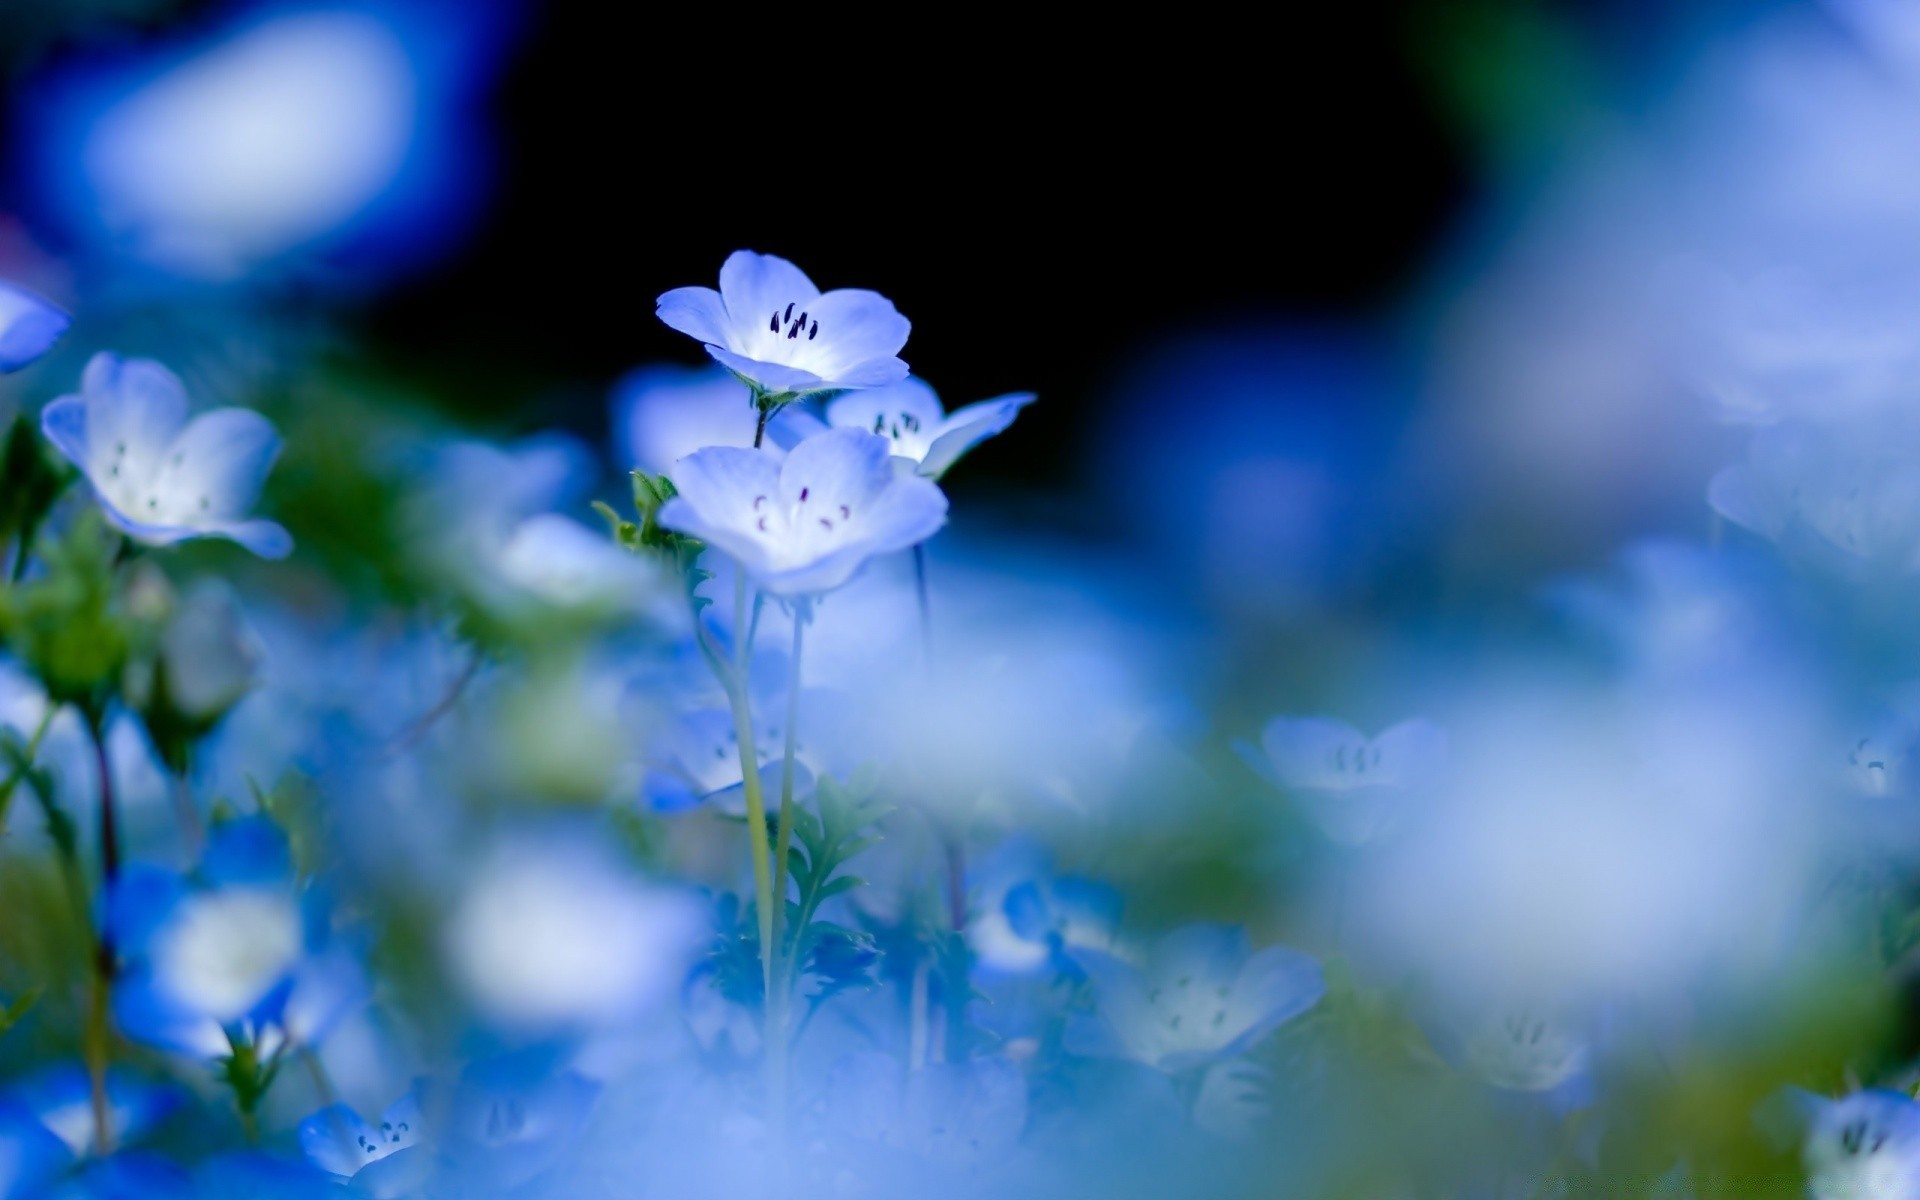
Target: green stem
{"type": "Point", "coordinates": [750, 782]}
{"type": "Point", "coordinates": [27, 756]}
{"type": "Point", "coordinates": [100, 998]}
{"type": "Point", "coordinates": [784, 840]}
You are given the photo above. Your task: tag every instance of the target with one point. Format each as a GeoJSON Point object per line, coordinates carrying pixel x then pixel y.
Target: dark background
{"type": "Point", "coordinates": [1037, 210]}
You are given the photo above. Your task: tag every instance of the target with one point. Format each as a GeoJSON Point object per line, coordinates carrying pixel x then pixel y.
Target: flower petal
{"type": "Point", "coordinates": [769, 377]}
{"type": "Point", "coordinates": [861, 334]}
{"type": "Point", "coordinates": [29, 326]}
{"type": "Point", "coordinates": [965, 428]}
{"type": "Point", "coordinates": [755, 287]}
{"type": "Point", "coordinates": [214, 468]}
{"type": "Point", "coordinates": [697, 312]}
{"type": "Point", "coordinates": [907, 413]}
{"type": "Point", "coordinates": [663, 414]}
{"type": "Point", "coordinates": [134, 407]}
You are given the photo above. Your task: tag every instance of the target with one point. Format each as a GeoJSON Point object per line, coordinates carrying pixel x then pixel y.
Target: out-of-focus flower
{"type": "Point", "coordinates": [160, 477]}
{"type": "Point", "coordinates": [564, 564]}
{"type": "Point", "coordinates": [514, 1117]}
{"type": "Point", "coordinates": [340, 1142]}
{"type": "Point", "coordinates": [694, 757]}
{"type": "Point", "coordinates": [950, 1115]}
{"type": "Point", "coordinates": [1201, 994]}
{"type": "Point", "coordinates": [1030, 920]}
{"type": "Point", "coordinates": [211, 658]}
{"type": "Point", "coordinates": [29, 1152]}
{"type": "Point", "coordinates": [1522, 1049]}
{"type": "Point", "coordinates": [770, 326]}
{"type": "Point", "coordinates": [805, 525]}
{"type": "Point", "coordinates": [29, 326]}
{"type": "Point", "coordinates": [1235, 1100]}
{"type": "Point", "coordinates": [250, 1174]}
{"type": "Point", "coordinates": [340, 130]}
{"type": "Point", "coordinates": [61, 1099]}
{"type": "Point", "coordinates": [1818, 493]}
{"type": "Point", "coordinates": [563, 935]}
{"type": "Point", "coordinates": [663, 414]}
{"type": "Point", "coordinates": [1356, 788]}
{"type": "Point", "coordinates": [909, 415]}
{"type": "Point", "coordinates": [232, 950]}
{"type": "Point", "coordinates": [1865, 1146]}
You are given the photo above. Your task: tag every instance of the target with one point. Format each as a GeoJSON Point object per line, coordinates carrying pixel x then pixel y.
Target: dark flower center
{"type": "Point", "coordinates": [794, 326]}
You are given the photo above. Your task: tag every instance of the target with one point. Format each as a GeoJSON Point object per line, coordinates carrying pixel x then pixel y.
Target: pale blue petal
{"type": "Point", "coordinates": [967, 427]}
{"type": "Point", "coordinates": [911, 511]}
{"type": "Point", "coordinates": [908, 412]}
{"type": "Point", "coordinates": [214, 468]}
{"type": "Point", "coordinates": [861, 328]}
{"type": "Point", "coordinates": [757, 286]}
{"type": "Point", "coordinates": [697, 312]}
{"type": "Point", "coordinates": [265, 538]}
{"type": "Point", "coordinates": [1276, 985]}
{"type": "Point", "coordinates": [134, 407]}
{"type": "Point", "coordinates": [64, 422]}
{"type": "Point", "coordinates": [142, 900]}
{"type": "Point", "coordinates": [1202, 951]}
{"type": "Point", "coordinates": [334, 1138]}
{"type": "Point", "coordinates": [725, 485]}
{"type": "Point", "coordinates": [1310, 751]}
{"type": "Point", "coordinates": [143, 1013]}
{"type": "Point", "coordinates": [772, 378]}
{"type": "Point", "coordinates": [29, 1154]}
{"type": "Point", "coordinates": [841, 467]}
{"type": "Point", "coordinates": [29, 326]}
{"type": "Point", "coordinates": [663, 414]}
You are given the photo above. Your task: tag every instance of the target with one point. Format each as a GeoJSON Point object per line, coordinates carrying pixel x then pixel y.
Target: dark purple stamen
{"type": "Point", "coordinates": [803, 494]}
{"type": "Point", "coordinates": [814, 332]}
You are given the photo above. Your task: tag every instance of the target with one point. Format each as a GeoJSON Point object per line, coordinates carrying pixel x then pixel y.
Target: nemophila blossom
{"type": "Point", "coordinates": [1521, 1048]}
{"type": "Point", "coordinates": [694, 757]}
{"type": "Point", "coordinates": [340, 1142]}
{"type": "Point", "coordinates": [512, 1118]}
{"type": "Point", "coordinates": [909, 415]}
{"type": "Point", "coordinates": [1865, 1146]}
{"type": "Point", "coordinates": [1848, 501]}
{"type": "Point", "coordinates": [561, 563]}
{"type": "Point", "coordinates": [30, 1153]}
{"type": "Point", "coordinates": [235, 950]}
{"type": "Point", "coordinates": [959, 1115]}
{"type": "Point", "coordinates": [1235, 1100]}
{"type": "Point", "coordinates": [60, 1099]}
{"type": "Point", "coordinates": [804, 525]}
{"type": "Point", "coordinates": [252, 1174]}
{"type": "Point", "coordinates": [1356, 788]}
{"type": "Point", "coordinates": [1200, 994]}
{"type": "Point", "coordinates": [29, 326]}
{"type": "Point", "coordinates": [663, 414]}
{"type": "Point", "coordinates": [563, 935]}
{"type": "Point", "coordinates": [779, 333]}
{"type": "Point", "coordinates": [160, 477]}
{"type": "Point", "coordinates": [1026, 919]}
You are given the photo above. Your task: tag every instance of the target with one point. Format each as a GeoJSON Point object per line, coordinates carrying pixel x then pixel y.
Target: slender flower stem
{"type": "Point", "coordinates": [27, 755]}
{"type": "Point", "coordinates": [99, 997]}
{"type": "Point", "coordinates": [192, 833]}
{"type": "Point", "coordinates": [787, 962]}
{"type": "Point", "coordinates": [926, 605]}
{"type": "Point", "coordinates": [737, 689]}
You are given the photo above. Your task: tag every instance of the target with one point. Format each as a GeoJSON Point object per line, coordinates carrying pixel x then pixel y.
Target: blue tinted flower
{"type": "Point", "coordinates": [514, 1117]}
{"type": "Point", "coordinates": [694, 757]}
{"type": "Point", "coordinates": [160, 477]}
{"type": "Point", "coordinates": [953, 1115]}
{"type": "Point", "coordinates": [564, 934]}
{"type": "Point", "coordinates": [29, 326]}
{"type": "Point", "coordinates": [1201, 995]}
{"type": "Point", "coordinates": [340, 1142]}
{"type": "Point", "coordinates": [1356, 788]}
{"type": "Point", "coordinates": [1844, 502]}
{"type": "Point", "coordinates": [232, 950]}
{"type": "Point", "coordinates": [805, 525]}
{"type": "Point", "coordinates": [909, 415]}
{"type": "Point", "coordinates": [1865, 1146]}
{"type": "Point", "coordinates": [663, 414]}
{"type": "Point", "coordinates": [770, 326]}
{"type": "Point", "coordinates": [338, 129]}
{"type": "Point", "coordinates": [61, 1100]}
{"type": "Point", "coordinates": [1028, 919]}
{"type": "Point", "coordinates": [125, 1176]}
{"type": "Point", "coordinates": [561, 563]}
{"type": "Point", "coordinates": [30, 1153]}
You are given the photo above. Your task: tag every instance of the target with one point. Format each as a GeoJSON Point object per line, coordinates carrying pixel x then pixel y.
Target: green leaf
{"type": "Point", "coordinates": [10, 1016]}
{"type": "Point", "coordinates": [33, 483]}
{"type": "Point", "coordinates": [841, 883]}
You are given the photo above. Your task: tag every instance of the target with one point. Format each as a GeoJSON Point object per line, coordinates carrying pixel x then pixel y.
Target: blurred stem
{"type": "Point", "coordinates": [25, 763]}
{"type": "Point", "coordinates": [103, 959]}
{"type": "Point", "coordinates": [192, 833]}
{"type": "Point", "coordinates": [787, 956]}
{"type": "Point", "coordinates": [405, 739]}
{"type": "Point", "coordinates": [926, 605]}
{"type": "Point", "coordinates": [737, 689]}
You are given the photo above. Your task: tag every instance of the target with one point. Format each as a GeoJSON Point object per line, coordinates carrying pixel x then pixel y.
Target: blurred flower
{"type": "Point", "coordinates": [250, 1174]}
{"type": "Point", "coordinates": [561, 935]}
{"type": "Point", "coordinates": [770, 326]}
{"type": "Point", "coordinates": [30, 1153]}
{"type": "Point", "coordinates": [514, 1117]}
{"type": "Point", "coordinates": [803, 526]}
{"type": "Point", "coordinates": [1028, 920]}
{"type": "Point", "coordinates": [160, 477]}
{"type": "Point", "coordinates": [562, 563]}
{"type": "Point", "coordinates": [1849, 505]}
{"type": "Point", "coordinates": [951, 1115]}
{"type": "Point", "coordinates": [29, 326]}
{"type": "Point", "coordinates": [230, 951]}
{"type": "Point", "coordinates": [663, 414]}
{"type": "Point", "coordinates": [1200, 995]}
{"type": "Point", "coordinates": [60, 1098]}
{"type": "Point", "coordinates": [694, 757]}
{"type": "Point", "coordinates": [909, 415]}
{"type": "Point", "coordinates": [1356, 788]}
{"type": "Point", "coordinates": [1522, 1049]}
{"type": "Point", "coordinates": [1235, 1100]}
{"type": "Point", "coordinates": [336, 129]}
{"type": "Point", "coordinates": [209, 655]}
{"type": "Point", "coordinates": [1865, 1146]}
{"type": "Point", "coordinates": [338, 1141]}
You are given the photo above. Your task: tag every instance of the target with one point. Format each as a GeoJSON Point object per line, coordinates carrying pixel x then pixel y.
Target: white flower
{"type": "Point", "coordinates": [909, 415]}
{"type": "Point", "coordinates": [160, 477]}
{"type": "Point", "coordinates": [805, 525]}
